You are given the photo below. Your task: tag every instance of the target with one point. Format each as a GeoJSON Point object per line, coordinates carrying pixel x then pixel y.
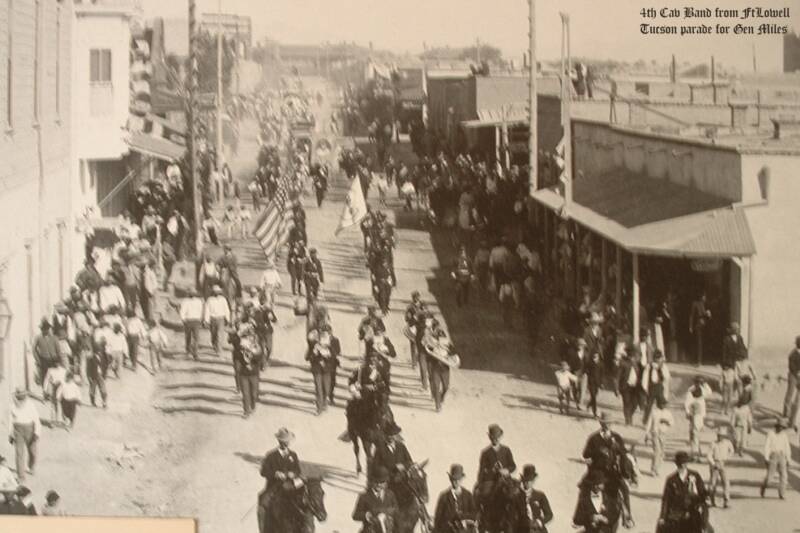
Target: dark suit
{"type": "Point", "coordinates": [389, 459]}
{"type": "Point", "coordinates": [594, 343]}
{"type": "Point", "coordinates": [487, 467]}
{"type": "Point", "coordinates": [603, 452]}
{"type": "Point", "coordinates": [683, 506]}
{"type": "Point", "coordinates": [369, 502]}
{"type": "Point", "coordinates": [733, 350]}
{"type": "Point", "coordinates": [450, 511]}
{"type": "Point", "coordinates": [632, 395]}
{"type": "Point", "coordinates": [539, 510]}
{"type": "Point", "coordinates": [323, 370]}
{"type": "Point", "coordinates": [585, 513]}
{"type": "Point", "coordinates": [273, 463]}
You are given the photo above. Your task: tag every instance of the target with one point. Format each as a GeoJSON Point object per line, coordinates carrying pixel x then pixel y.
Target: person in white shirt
{"type": "Point", "coordinates": [158, 344]}
{"type": "Point", "coordinates": [8, 481]}
{"type": "Point", "coordinates": [777, 454]}
{"type": "Point", "coordinates": [271, 282]}
{"type": "Point", "coordinates": [696, 414]}
{"type": "Point", "coordinates": [25, 430]}
{"type": "Point", "coordinates": [565, 380]}
{"type": "Point", "coordinates": [69, 396]}
{"type": "Point", "coordinates": [717, 456]}
{"type": "Point", "coordinates": [110, 296]}
{"type": "Point", "coordinates": [191, 314]}
{"type": "Point", "coordinates": [53, 381]}
{"type": "Point", "coordinates": [244, 220]}
{"type": "Point", "coordinates": [134, 327]}
{"type": "Point", "coordinates": [116, 348]}
{"type": "Point", "coordinates": [216, 314]}
{"type": "Point", "coordinates": [658, 425]}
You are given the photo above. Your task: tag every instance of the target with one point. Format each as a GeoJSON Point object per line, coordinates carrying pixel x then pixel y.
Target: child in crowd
{"type": "Point", "coordinates": [658, 425]}
{"type": "Point", "coordinates": [717, 456]}
{"type": "Point", "coordinates": [136, 332]}
{"type": "Point", "coordinates": [696, 414]}
{"type": "Point", "coordinates": [158, 343]}
{"type": "Point", "coordinates": [69, 396]}
{"type": "Point", "coordinates": [53, 381]}
{"type": "Point", "coordinates": [244, 220]}
{"type": "Point", "coordinates": [742, 417]}
{"type": "Point", "coordinates": [564, 382]}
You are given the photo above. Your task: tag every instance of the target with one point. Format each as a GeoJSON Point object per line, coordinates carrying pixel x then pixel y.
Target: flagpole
{"type": "Point", "coordinates": [566, 122]}
{"type": "Point", "coordinates": [533, 118]}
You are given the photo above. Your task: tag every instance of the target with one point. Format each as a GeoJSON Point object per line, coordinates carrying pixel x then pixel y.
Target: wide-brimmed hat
{"type": "Point", "coordinates": [528, 473]}
{"type": "Point", "coordinates": [682, 458]}
{"type": "Point", "coordinates": [495, 431]}
{"type": "Point", "coordinates": [456, 471]}
{"type": "Point", "coordinates": [284, 435]}
{"type": "Point", "coordinates": [381, 475]}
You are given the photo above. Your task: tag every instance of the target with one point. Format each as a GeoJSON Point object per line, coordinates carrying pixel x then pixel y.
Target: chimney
{"type": "Point", "coordinates": [738, 114]}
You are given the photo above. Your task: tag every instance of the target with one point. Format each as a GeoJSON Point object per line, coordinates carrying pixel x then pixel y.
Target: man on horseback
{"type": "Point", "coordinates": [281, 470]}
{"type": "Point", "coordinates": [393, 455]}
{"type": "Point", "coordinates": [455, 508]}
{"type": "Point", "coordinates": [376, 508]}
{"type": "Point", "coordinates": [370, 325]}
{"type": "Point", "coordinates": [604, 453]}
{"type": "Point", "coordinates": [494, 488]}
{"type": "Point", "coordinates": [228, 268]}
{"type": "Point", "coordinates": [415, 313]}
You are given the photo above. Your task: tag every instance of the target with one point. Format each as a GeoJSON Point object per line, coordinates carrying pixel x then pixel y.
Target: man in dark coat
{"type": "Point", "coordinates": [629, 383]}
{"type": "Point", "coordinates": [531, 507]}
{"type": "Point", "coordinates": [455, 508]}
{"type": "Point", "coordinates": [496, 461]}
{"type": "Point", "coordinates": [602, 452]}
{"type": "Point", "coordinates": [280, 468]}
{"type": "Point", "coordinates": [313, 276]}
{"type": "Point", "coordinates": [393, 455]}
{"type": "Point", "coordinates": [733, 347]}
{"type": "Point", "coordinates": [683, 504]}
{"type": "Point", "coordinates": [598, 509]}
{"type": "Point", "coordinates": [323, 356]}
{"type": "Point", "coordinates": [377, 505]}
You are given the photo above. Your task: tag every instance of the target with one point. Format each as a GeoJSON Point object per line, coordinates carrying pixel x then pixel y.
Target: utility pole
{"type": "Point", "coordinates": [191, 119]}
{"type": "Point", "coordinates": [566, 97]}
{"type": "Point", "coordinates": [219, 87]}
{"type": "Point", "coordinates": [533, 101]}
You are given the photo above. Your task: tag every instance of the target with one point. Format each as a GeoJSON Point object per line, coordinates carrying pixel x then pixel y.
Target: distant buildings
{"type": "Point", "coordinates": [236, 28]}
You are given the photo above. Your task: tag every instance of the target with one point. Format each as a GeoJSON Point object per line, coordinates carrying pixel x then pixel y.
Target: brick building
{"type": "Point", "coordinates": [36, 229]}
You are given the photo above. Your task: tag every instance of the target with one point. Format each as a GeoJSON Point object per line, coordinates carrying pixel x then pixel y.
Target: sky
{"type": "Point", "coordinates": [600, 28]}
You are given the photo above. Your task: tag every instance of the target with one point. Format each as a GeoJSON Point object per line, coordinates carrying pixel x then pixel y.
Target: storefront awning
{"type": "Point", "coordinates": [157, 147]}
{"type": "Point", "coordinates": [512, 115]}
{"type": "Point", "coordinates": [711, 233]}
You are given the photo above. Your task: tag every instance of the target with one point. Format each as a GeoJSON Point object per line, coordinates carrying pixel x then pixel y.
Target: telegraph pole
{"type": "Point", "coordinates": [533, 100]}
{"type": "Point", "coordinates": [191, 119]}
{"type": "Point", "coordinates": [219, 86]}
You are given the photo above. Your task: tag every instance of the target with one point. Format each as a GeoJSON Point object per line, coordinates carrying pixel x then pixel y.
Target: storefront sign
{"type": "Point", "coordinates": [706, 265]}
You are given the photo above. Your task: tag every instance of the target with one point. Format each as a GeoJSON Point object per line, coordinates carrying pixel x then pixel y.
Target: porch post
{"type": "Point", "coordinates": [618, 282]}
{"type": "Point", "coordinates": [746, 300]}
{"type": "Point", "coordinates": [603, 266]}
{"type": "Point", "coordinates": [589, 269]}
{"type": "Point", "coordinates": [497, 143]}
{"type": "Point", "coordinates": [577, 261]}
{"type": "Point", "coordinates": [635, 302]}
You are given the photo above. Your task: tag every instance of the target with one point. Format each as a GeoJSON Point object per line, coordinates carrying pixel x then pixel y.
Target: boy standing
{"type": "Point", "coordinates": [158, 343]}
{"type": "Point", "coordinates": [696, 413]}
{"type": "Point", "coordinates": [565, 380]}
{"type": "Point", "coordinates": [717, 456]}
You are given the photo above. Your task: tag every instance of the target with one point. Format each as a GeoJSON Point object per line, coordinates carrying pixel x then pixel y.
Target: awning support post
{"type": "Point", "coordinates": [603, 266]}
{"type": "Point", "coordinates": [618, 281]}
{"type": "Point", "coordinates": [635, 302]}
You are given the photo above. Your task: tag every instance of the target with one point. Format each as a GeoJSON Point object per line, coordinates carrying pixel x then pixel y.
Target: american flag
{"type": "Point", "coordinates": [273, 225]}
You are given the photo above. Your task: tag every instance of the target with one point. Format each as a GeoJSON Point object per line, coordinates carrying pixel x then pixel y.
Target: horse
{"type": "Point", "coordinates": [412, 495]}
{"type": "Point", "coordinates": [294, 510]}
{"type": "Point", "coordinates": [366, 418]}
{"type": "Point", "coordinates": [495, 504]}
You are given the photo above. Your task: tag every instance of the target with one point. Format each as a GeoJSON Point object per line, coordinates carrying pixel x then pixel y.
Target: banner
{"type": "Point", "coordinates": [355, 208]}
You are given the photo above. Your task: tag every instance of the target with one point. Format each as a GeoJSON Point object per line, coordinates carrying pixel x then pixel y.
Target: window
{"type": "Point", "coordinates": [10, 66]}
{"type": "Point", "coordinates": [58, 62]}
{"type": "Point", "coordinates": [100, 66]}
{"type": "Point", "coordinates": [37, 15]}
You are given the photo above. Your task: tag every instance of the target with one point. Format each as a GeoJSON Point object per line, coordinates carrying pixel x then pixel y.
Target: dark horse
{"type": "Point", "coordinates": [294, 510]}
{"type": "Point", "coordinates": [412, 495]}
{"type": "Point", "coordinates": [366, 418]}
{"type": "Point", "coordinates": [495, 504]}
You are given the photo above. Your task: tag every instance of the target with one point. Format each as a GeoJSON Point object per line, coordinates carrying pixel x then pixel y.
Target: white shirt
{"type": "Point", "coordinates": [565, 378]}
{"type": "Point", "coordinates": [217, 307]}
{"type": "Point", "coordinates": [191, 309]}
{"type": "Point", "coordinates": [134, 326]}
{"type": "Point", "coordinates": [720, 452]}
{"type": "Point", "coordinates": [7, 479]}
{"type": "Point", "coordinates": [158, 338]}
{"type": "Point", "coordinates": [777, 443]}
{"type": "Point", "coordinates": [116, 343]}
{"type": "Point", "coordinates": [111, 295]}
{"type": "Point", "coordinates": [597, 501]}
{"type": "Point", "coordinates": [271, 280]}
{"type": "Point", "coordinates": [70, 391]}
{"type": "Point", "coordinates": [26, 413]}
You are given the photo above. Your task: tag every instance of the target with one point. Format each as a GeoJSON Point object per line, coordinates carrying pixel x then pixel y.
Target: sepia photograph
{"type": "Point", "coordinates": [414, 266]}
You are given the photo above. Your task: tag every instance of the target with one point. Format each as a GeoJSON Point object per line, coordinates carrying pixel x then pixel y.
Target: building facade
{"type": "Point", "coordinates": [36, 227]}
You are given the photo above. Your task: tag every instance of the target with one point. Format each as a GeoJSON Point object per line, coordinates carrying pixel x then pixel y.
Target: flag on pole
{"type": "Point", "coordinates": [273, 225]}
{"type": "Point", "coordinates": [355, 208]}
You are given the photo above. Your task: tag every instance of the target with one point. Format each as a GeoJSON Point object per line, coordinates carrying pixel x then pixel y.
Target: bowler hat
{"type": "Point", "coordinates": [381, 475]}
{"type": "Point", "coordinates": [604, 418]}
{"type": "Point", "coordinates": [528, 473]}
{"type": "Point", "coordinates": [595, 478]}
{"type": "Point", "coordinates": [456, 472]}
{"type": "Point", "coordinates": [681, 458]}
{"type": "Point", "coordinates": [284, 435]}
{"type": "Point", "coordinates": [495, 431]}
